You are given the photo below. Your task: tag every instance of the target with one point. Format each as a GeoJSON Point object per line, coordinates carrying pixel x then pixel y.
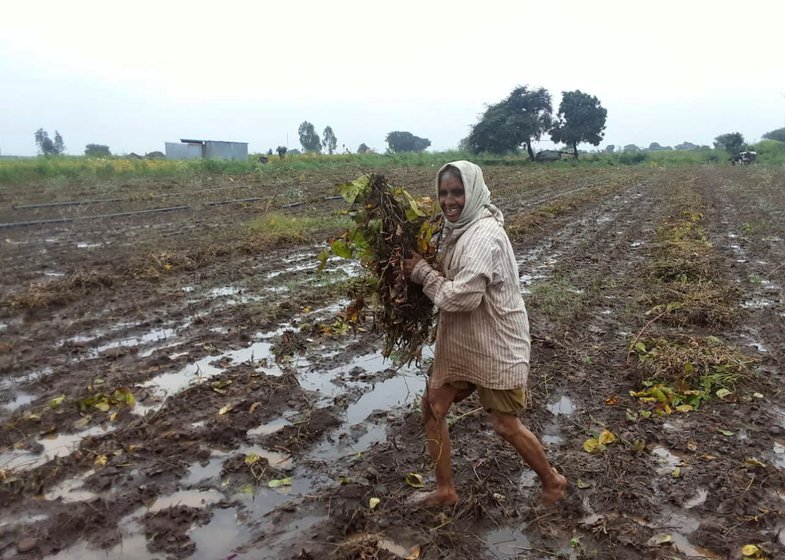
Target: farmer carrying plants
{"type": "Point", "coordinates": [482, 340]}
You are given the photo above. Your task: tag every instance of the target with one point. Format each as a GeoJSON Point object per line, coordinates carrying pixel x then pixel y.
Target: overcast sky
{"type": "Point", "coordinates": [133, 75]}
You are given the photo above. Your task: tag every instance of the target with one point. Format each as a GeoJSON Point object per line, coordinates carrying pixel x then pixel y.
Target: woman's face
{"type": "Point", "coordinates": [452, 197]}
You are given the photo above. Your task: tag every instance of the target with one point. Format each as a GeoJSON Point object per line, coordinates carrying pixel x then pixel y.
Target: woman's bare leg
{"type": "Point", "coordinates": [435, 406]}
{"type": "Point", "coordinates": [510, 428]}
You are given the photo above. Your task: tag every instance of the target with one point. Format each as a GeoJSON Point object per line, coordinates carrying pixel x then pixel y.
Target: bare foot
{"type": "Point", "coordinates": [554, 490]}
{"type": "Point", "coordinates": [437, 498]}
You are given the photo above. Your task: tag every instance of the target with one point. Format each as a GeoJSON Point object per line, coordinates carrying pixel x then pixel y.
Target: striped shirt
{"type": "Point", "coordinates": [483, 330]}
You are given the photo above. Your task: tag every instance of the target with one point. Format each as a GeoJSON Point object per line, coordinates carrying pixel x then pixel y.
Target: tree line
{"type": "Point", "coordinates": [508, 126]}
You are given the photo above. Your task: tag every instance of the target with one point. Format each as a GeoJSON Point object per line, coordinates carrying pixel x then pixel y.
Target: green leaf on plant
{"type": "Point", "coordinates": [341, 249]}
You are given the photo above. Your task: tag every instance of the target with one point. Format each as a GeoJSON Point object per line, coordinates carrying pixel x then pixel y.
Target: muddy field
{"type": "Point", "coordinates": [184, 384]}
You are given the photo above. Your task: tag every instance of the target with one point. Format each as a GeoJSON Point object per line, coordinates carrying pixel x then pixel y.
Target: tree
{"type": "Point", "coordinates": [363, 148]}
{"type": "Point", "coordinates": [581, 119]}
{"type": "Point", "coordinates": [97, 150]}
{"type": "Point", "coordinates": [521, 117]}
{"type": "Point", "coordinates": [402, 141]}
{"type": "Point", "coordinates": [778, 135]}
{"type": "Point", "coordinates": [732, 142]}
{"type": "Point", "coordinates": [281, 151]}
{"type": "Point", "coordinates": [610, 148]}
{"type": "Point", "coordinates": [309, 140]}
{"type": "Point", "coordinates": [329, 140]}
{"type": "Point", "coordinates": [45, 144]}
{"type": "Point", "coordinates": [687, 146]}
{"type": "Point", "coordinates": [631, 148]}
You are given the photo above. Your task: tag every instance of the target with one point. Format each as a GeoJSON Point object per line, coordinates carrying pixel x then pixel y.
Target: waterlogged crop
{"type": "Point", "coordinates": [388, 225]}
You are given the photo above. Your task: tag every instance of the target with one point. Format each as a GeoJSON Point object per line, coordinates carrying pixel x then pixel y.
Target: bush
{"type": "Point", "coordinates": [633, 158]}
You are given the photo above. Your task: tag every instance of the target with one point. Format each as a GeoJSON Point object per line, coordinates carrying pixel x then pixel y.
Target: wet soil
{"type": "Point", "coordinates": [264, 426]}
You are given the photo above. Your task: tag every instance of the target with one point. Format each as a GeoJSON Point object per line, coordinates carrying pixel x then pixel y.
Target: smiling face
{"type": "Point", "coordinates": [452, 197]}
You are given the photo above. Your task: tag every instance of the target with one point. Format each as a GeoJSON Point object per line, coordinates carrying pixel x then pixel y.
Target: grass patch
{"type": "Point", "coordinates": [688, 287]}
{"type": "Point", "coordinates": [296, 227]}
{"type": "Point", "coordinates": [689, 363]}
{"type": "Point", "coordinates": [556, 299]}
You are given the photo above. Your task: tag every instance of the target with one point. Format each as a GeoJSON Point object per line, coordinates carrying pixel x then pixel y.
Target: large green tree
{"type": "Point", "coordinates": [97, 150]}
{"type": "Point", "coordinates": [778, 135]}
{"type": "Point", "coordinates": [48, 147]}
{"type": "Point", "coordinates": [516, 121]}
{"type": "Point", "coordinates": [581, 118]}
{"type": "Point", "coordinates": [329, 141]}
{"type": "Point", "coordinates": [309, 139]}
{"type": "Point", "coordinates": [732, 142]}
{"type": "Point", "coordinates": [403, 141]}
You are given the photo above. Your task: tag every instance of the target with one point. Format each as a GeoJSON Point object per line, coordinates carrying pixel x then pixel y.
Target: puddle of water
{"type": "Point", "coordinates": [224, 291]}
{"type": "Point", "coordinates": [220, 537]}
{"type": "Point", "coordinates": [292, 269]}
{"type": "Point", "coordinates": [322, 382]}
{"type": "Point", "coordinates": [72, 490]}
{"type": "Point", "coordinates": [667, 460]}
{"type": "Point", "coordinates": [507, 543]}
{"type": "Point", "coordinates": [679, 524]}
{"type": "Point", "coordinates": [277, 460]}
{"type": "Point", "coordinates": [169, 384]}
{"type": "Point", "coordinates": [9, 382]}
{"type": "Point", "coordinates": [189, 498]}
{"type": "Point", "coordinates": [60, 445]}
{"type": "Point", "coordinates": [156, 335]}
{"type": "Point", "coordinates": [23, 519]}
{"type": "Point", "coordinates": [263, 500]}
{"type": "Point", "coordinates": [277, 289]}
{"type": "Point", "coordinates": [269, 428]}
{"type": "Point", "coordinates": [698, 500]}
{"type": "Point", "coordinates": [132, 547]}
{"type": "Point", "coordinates": [604, 219]}
{"type": "Point", "coordinates": [392, 393]}
{"type": "Point", "coordinates": [563, 406]}
{"type": "Point", "coordinates": [758, 303]}
{"type": "Point", "coordinates": [20, 400]}
{"type": "Point", "coordinates": [199, 472]}
{"type": "Point", "coordinates": [387, 395]}
{"type": "Point", "coordinates": [55, 274]}
{"type": "Point", "coordinates": [779, 455]}
{"type": "Point", "coordinates": [529, 479]}
{"type": "Point", "coordinates": [84, 245]}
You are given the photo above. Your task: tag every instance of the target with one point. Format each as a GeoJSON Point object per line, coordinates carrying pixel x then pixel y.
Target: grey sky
{"type": "Point", "coordinates": [133, 75]}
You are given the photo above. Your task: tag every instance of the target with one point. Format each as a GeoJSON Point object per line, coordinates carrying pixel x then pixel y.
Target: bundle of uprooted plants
{"type": "Point", "coordinates": [389, 224]}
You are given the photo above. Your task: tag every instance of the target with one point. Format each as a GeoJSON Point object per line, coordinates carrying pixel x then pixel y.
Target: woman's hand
{"type": "Point", "coordinates": [410, 263]}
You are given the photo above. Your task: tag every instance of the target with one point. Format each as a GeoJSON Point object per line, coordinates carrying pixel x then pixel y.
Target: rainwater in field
{"type": "Point", "coordinates": [58, 445]}
{"type": "Point", "coordinates": [72, 490]}
{"type": "Point", "coordinates": [507, 543]}
{"type": "Point", "coordinates": [133, 545]}
{"type": "Point", "coordinates": [169, 384]}
{"type": "Point", "coordinates": [563, 406]}
{"type": "Point", "coordinates": [356, 433]}
{"type": "Point", "coordinates": [20, 399]}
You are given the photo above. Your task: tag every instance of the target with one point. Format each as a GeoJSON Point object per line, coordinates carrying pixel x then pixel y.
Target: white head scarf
{"type": "Point", "coordinates": [478, 197]}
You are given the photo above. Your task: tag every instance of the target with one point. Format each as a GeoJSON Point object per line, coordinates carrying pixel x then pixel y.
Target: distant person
{"type": "Point", "coordinates": [482, 340]}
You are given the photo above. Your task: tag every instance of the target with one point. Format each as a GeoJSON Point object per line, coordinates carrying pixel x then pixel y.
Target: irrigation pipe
{"type": "Point", "coordinates": [128, 199]}
{"type": "Point", "coordinates": [86, 218]}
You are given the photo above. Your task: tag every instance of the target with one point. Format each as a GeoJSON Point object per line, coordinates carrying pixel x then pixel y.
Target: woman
{"type": "Point", "coordinates": [482, 340]}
